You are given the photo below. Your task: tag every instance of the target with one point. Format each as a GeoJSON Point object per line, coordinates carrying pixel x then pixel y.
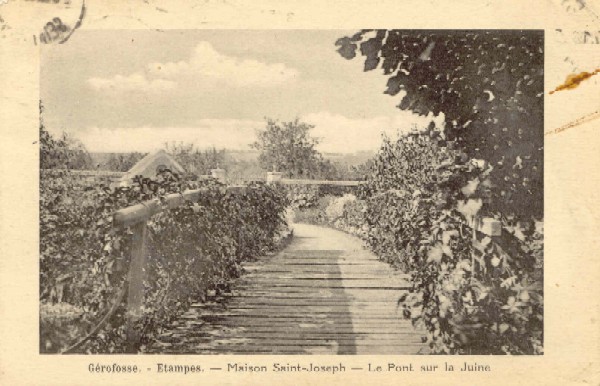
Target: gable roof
{"type": "Point", "coordinates": [148, 166]}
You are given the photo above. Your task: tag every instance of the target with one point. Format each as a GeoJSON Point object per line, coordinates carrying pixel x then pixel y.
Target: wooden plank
{"type": "Point", "coordinates": [294, 328]}
{"type": "Point", "coordinates": [310, 312]}
{"type": "Point", "coordinates": [237, 343]}
{"type": "Point", "coordinates": [294, 294]}
{"type": "Point", "coordinates": [287, 181]}
{"type": "Point", "coordinates": [294, 349]}
{"type": "Point", "coordinates": [285, 335]}
{"type": "Point", "coordinates": [349, 271]}
{"type": "Point", "coordinates": [312, 286]}
{"type": "Point", "coordinates": [332, 280]}
{"type": "Point", "coordinates": [324, 272]}
{"type": "Point", "coordinates": [308, 324]}
{"type": "Point", "coordinates": [306, 303]}
{"type": "Point", "coordinates": [135, 278]}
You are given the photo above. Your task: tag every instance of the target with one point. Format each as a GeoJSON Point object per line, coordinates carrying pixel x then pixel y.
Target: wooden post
{"type": "Point", "coordinates": [135, 293]}
{"type": "Point", "coordinates": [218, 174]}
{"type": "Point", "coordinates": [273, 177]}
{"type": "Point", "coordinates": [490, 226]}
{"type": "Point", "coordinates": [475, 225]}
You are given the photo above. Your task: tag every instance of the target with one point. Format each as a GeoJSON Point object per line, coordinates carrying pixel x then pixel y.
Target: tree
{"type": "Point", "coordinates": [488, 85]}
{"type": "Point", "coordinates": [123, 162]}
{"type": "Point", "coordinates": [64, 152]}
{"type": "Point", "coordinates": [288, 147]}
{"type": "Point", "coordinates": [473, 293]}
{"type": "Point", "coordinates": [194, 160]}
{"type": "Point", "coordinates": [470, 295]}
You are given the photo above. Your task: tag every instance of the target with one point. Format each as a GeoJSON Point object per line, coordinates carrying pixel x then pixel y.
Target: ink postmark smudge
{"type": "Point", "coordinates": [57, 31]}
{"type": "Point", "coordinates": [77, 24]}
{"type": "Point", "coordinates": [574, 80]}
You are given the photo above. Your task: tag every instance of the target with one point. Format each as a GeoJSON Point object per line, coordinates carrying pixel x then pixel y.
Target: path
{"type": "Point", "coordinates": [323, 294]}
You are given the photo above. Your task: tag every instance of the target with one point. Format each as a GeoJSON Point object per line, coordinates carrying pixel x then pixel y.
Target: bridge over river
{"type": "Point", "coordinates": [323, 294]}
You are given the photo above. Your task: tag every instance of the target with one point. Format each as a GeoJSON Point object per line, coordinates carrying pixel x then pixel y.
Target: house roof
{"type": "Point", "coordinates": [148, 166]}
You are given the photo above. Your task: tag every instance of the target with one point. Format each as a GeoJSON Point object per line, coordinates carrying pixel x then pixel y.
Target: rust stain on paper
{"type": "Point", "coordinates": [574, 80]}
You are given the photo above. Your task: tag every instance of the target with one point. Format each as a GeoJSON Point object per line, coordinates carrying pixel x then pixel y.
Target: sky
{"type": "Point", "coordinates": [120, 91]}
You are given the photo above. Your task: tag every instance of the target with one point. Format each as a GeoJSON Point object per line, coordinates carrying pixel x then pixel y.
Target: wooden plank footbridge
{"type": "Point", "coordinates": [323, 294]}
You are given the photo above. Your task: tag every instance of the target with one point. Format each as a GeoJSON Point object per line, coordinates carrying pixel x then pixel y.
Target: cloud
{"type": "Point", "coordinates": [340, 134]}
{"type": "Point", "coordinates": [134, 82]}
{"type": "Point", "coordinates": [206, 66]}
{"type": "Point", "coordinates": [337, 133]}
{"type": "Point", "coordinates": [206, 62]}
{"type": "Point", "coordinates": [221, 133]}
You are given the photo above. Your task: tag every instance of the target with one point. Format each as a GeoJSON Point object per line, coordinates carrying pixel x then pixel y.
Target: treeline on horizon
{"type": "Point", "coordinates": [286, 147]}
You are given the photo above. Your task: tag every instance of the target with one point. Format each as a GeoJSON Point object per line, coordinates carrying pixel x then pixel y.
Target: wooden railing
{"type": "Point", "coordinates": [89, 173]}
{"type": "Point", "coordinates": [277, 177]}
{"type": "Point", "coordinates": [137, 216]}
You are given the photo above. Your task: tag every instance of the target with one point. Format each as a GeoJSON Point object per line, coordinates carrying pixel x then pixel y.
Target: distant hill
{"type": "Point", "coordinates": [351, 159]}
{"type": "Point", "coordinates": [248, 159]}
{"type": "Point", "coordinates": [243, 155]}
{"type": "Point", "coordinates": [100, 160]}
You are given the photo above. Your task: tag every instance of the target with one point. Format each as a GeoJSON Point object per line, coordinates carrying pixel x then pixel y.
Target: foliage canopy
{"type": "Point", "coordinates": [488, 85]}
{"type": "Point", "coordinates": [64, 152]}
{"type": "Point", "coordinates": [288, 147]}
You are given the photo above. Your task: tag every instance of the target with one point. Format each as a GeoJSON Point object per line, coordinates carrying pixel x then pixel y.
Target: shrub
{"type": "Point", "coordinates": [302, 196]}
{"type": "Point", "coordinates": [315, 214]}
{"type": "Point", "coordinates": [336, 209]}
{"type": "Point", "coordinates": [192, 249]}
{"type": "Point", "coordinates": [346, 213]}
{"type": "Point", "coordinates": [473, 295]}
{"type": "Point", "coordinates": [308, 196]}
{"type": "Point", "coordinates": [353, 218]}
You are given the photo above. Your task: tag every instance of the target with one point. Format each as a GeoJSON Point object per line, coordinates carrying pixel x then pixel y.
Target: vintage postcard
{"type": "Point", "coordinates": [229, 192]}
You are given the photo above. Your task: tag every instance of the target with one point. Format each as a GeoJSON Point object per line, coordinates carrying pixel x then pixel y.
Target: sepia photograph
{"type": "Point", "coordinates": [292, 192]}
